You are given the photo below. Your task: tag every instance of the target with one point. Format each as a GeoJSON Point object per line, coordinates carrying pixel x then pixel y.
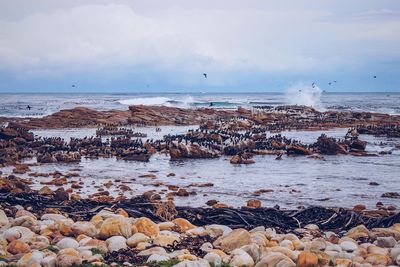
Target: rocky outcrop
{"type": "Point", "coordinates": [191, 151]}
{"type": "Point", "coordinates": [330, 146]}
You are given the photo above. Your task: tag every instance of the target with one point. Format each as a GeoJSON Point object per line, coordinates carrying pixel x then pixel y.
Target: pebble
{"type": "Point", "coordinates": [55, 240]}
{"type": "Point", "coordinates": [116, 243]}
{"type": "Point", "coordinates": [348, 246]}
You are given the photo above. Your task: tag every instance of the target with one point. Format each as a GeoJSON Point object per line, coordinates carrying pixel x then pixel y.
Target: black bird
{"type": "Point", "coordinates": [73, 85]}
{"type": "Point", "coordinates": [313, 85]}
{"type": "Point", "coordinates": [205, 75]}
{"type": "Point", "coordinates": [374, 76]}
{"type": "Point", "coordinates": [330, 83]}
{"type": "Point", "coordinates": [28, 107]}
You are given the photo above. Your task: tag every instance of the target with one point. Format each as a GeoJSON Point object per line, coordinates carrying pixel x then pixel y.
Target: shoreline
{"type": "Point", "coordinates": [162, 115]}
{"type": "Point", "coordinates": [141, 232]}
{"type": "Point", "coordinates": [55, 226]}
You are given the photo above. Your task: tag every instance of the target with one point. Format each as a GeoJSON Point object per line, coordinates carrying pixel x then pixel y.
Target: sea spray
{"type": "Point", "coordinates": [305, 95]}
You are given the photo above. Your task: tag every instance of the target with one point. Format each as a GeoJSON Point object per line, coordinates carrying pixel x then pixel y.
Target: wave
{"type": "Point", "coordinates": [147, 101]}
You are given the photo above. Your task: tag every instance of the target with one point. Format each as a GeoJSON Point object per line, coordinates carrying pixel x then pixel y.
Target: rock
{"type": "Point", "coordinates": [67, 242]}
{"type": "Point", "coordinates": [275, 260]}
{"type": "Point", "coordinates": [395, 253]}
{"type": "Point", "coordinates": [191, 151]}
{"type": "Point", "coordinates": [348, 246]}
{"type": "Point", "coordinates": [33, 259]}
{"type": "Point", "coordinates": [46, 191]}
{"type": "Point", "coordinates": [18, 247]}
{"type": "Point", "coordinates": [157, 258]}
{"type": "Point", "coordinates": [235, 239]}
{"type": "Point", "coordinates": [166, 226]}
{"type": "Point", "coordinates": [391, 195]}
{"type": "Point", "coordinates": [192, 263]}
{"type": "Point", "coordinates": [298, 150]}
{"type": "Point", "coordinates": [28, 222]}
{"type": "Point", "coordinates": [307, 259]}
{"type": "Point", "coordinates": [358, 232]}
{"type": "Point", "coordinates": [99, 244]}
{"type": "Point", "coordinates": [329, 146]}
{"type": "Point", "coordinates": [183, 225]}
{"type": "Point", "coordinates": [68, 257]}
{"type": "Point", "coordinates": [147, 227]}
{"type": "Point", "coordinates": [53, 217]}
{"type": "Point", "coordinates": [122, 212]}
{"type": "Point", "coordinates": [84, 228]}
{"type": "Point", "coordinates": [386, 242]}
{"type": "Point", "coordinates": [382, 232]}
{"type": "Point", "coordinates": [241, 258]}
{"type": "Point", "coordinates": [49, 261]}
{"type": "Point", "coordinates": [61, 195]}
{"type": "Point", "coordinates": [343, 262]}
{"type": "Point", "coordinates": [154, 250]}
{"type": "Point", "coordinates": [182, 192]}
{"type": "Point", "coordinates": [166, 240]}
{"type": "Point", "coordinates": [359, 207]}
{"type": "Point", "coordinates": [254, 203]}
{"type": "Point", "coordinates": [238, 159]}
{"type": "Point", "coordinates": [116, 243]}
{"type": "Point", "coordinates": [18, 232]}
{"type": "Point", "coordinates": [378, 259]}
{"type": "Point", "coordinates": [115, 227]}
{"type": "Point", "coordinates": [213, 258]}
{"type": "Point", "coordinates": [136, 239]}
{"type": "Point", "coordinates": [3, 219]}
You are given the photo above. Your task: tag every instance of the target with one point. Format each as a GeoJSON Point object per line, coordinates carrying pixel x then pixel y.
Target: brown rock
{"type": "Point", "coordinates": [254, 203]}
{"type": "Point", "coordinates": [183, 225]}
{"type": "Point", "coordinates": [307, 259]}
{"type": "Point", "coordinates": [46, 191]}
{"type": "Point", "coordinates": [235, 239]}
{"type": "Point", "coordinates": [115, 227]}
{"type": "Point", "coordinates": [61, 194]}
{"type": "Point", "coordinates": [359, 207]}
{"type": "Point", "coordinates": [18, 247]}
{"type": "Point", "coordinates": [182, 192]}
{"type": "Point", "coordinates": [147, 227]}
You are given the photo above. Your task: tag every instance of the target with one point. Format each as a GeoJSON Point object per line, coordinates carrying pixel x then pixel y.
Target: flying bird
{"type": "Point", "coordinates": [205, 75]}
{"type": "Point", "coordinates": [73, 85]}
{"type": "Point", "coordinates": [374, 76]}
{"type": "Point", "coordinates": [330, 83]}
{"type": "Point", "coordinates": [313, 85]}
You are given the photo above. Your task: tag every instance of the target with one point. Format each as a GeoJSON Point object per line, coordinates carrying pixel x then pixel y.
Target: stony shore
{"type": "Point", "coordinates": [112, 238]}
{"type": "Point", "coordinates": [59, 227]}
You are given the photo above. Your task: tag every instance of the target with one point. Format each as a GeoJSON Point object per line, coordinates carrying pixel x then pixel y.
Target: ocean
{"type": "Point", "coordinates": [42, 104]}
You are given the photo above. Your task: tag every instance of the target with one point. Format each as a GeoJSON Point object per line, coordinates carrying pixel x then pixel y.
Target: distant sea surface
{"type": "Point", "coordinates": [42, 104]}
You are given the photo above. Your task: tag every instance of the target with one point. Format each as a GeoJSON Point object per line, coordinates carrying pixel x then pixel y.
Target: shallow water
{"type": "Point", "coordinates": [336, 181]}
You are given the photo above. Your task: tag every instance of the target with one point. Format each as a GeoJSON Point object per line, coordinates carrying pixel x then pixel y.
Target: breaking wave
{"type": "Point", "coordinates": [147, 101]}
{"type": "Point", "coordinates": [305, 95]}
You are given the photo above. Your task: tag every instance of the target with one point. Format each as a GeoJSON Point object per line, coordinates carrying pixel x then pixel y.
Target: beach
{"type": "Point", "coordinates": [260, 186]}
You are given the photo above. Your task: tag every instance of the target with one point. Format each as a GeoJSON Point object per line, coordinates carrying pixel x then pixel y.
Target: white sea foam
{"type": "Point", "coordinates": [147, 101]}
{"type": "Point", "coordinates": [306, 95]}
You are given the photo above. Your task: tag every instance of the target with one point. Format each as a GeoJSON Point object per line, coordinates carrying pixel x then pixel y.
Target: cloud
{"type": "Point", "coordinates": [261, 39]}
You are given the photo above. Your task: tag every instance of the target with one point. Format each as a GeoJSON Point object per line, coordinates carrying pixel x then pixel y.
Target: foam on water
{"type": "Point", "coordinates": [147, 101]}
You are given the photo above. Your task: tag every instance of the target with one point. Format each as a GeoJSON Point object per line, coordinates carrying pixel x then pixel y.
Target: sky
{"type": "Point", "coordinates": [167, 45]}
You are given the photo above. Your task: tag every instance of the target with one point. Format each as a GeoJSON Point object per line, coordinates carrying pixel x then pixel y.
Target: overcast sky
{"type": "Point", "coordinates": [166, 46]}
